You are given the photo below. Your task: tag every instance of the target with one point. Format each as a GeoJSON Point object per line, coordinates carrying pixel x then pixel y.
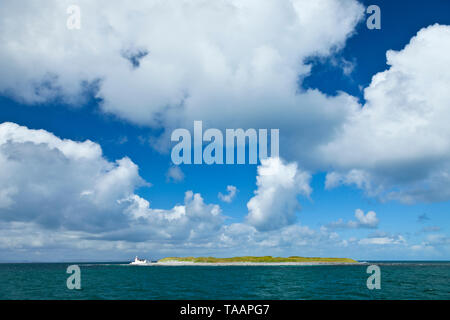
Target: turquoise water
{"type": "Point", "coordinates": [405, 280]}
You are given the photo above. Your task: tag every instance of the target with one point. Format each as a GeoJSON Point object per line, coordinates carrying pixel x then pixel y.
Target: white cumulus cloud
{"type": "Point", "coordinates": [275, 202]}
{"type": "Point", "coordinates": [61, 183]}
{"type": "Point", "coordinates": [398, 145]}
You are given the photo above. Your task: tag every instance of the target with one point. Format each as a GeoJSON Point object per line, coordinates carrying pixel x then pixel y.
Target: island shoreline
{"type": "Point", "coordinates": [175, 263]}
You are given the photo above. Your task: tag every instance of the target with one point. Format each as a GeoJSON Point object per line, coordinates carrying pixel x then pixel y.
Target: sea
{"type": "Point", "coordinates": [398, 280]}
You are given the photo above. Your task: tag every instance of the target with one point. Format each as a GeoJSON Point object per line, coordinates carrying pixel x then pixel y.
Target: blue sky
{"type": "Point", "coordinates": [349, 143]}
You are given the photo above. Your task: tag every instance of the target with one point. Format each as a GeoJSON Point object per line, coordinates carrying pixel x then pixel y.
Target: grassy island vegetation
{"type": "Point", "coordinates": [265, 259]}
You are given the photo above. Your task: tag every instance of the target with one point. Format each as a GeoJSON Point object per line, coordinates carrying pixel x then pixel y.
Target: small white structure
{"type": "Point", "coordinates": [138, 261]}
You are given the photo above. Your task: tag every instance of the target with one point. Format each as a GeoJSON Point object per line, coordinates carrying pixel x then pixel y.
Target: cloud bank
{"type": "Point", "coordinates": [63, 198]}
{"type": "Point", "coordinates": [394, 147]}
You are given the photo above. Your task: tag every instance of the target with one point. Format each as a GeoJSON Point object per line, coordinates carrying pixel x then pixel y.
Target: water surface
{"type": "Point", "coordinates": [399, 280]}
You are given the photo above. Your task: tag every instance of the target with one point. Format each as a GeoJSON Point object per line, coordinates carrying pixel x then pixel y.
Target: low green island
{"type": "Point", "coordinates": [253, 260]}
